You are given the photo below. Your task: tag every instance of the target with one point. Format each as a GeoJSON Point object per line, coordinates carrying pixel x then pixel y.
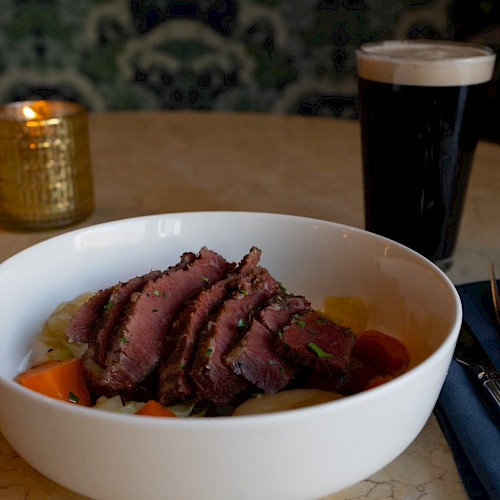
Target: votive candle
{"type": "Point", "coordinates": [45, 168]}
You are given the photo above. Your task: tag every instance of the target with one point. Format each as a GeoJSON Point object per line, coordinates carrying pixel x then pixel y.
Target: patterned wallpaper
{"type": "Point", "coordinates": [282, 56]}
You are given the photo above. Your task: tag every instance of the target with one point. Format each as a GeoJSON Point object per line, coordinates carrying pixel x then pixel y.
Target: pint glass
{"type": "Point", "coordinates": [421, 104]}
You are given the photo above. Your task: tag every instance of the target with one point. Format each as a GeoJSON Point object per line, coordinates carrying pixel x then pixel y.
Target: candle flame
{"type": "Point", "coordinates": [29, 113]}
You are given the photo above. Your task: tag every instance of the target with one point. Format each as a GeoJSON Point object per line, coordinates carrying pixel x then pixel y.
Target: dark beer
{"type": "Point", "coordinates": [418, 144]}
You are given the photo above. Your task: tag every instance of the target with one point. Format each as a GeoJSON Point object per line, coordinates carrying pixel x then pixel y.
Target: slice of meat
{"type": "Point", "coordinates": [113, 310]}
{"type": "Point", "coordinates": [279, 311]}
{"type": "Point", "coordinates": [175, 384]}
{"type": "Point", "coordinates": [255, 357]}
{"type": "Point", "coordinates": [213, 380]}
{"type": "Point", "coordinates": [137, 343]}
{"type": "Point", "coordinates": [107, 304]}
{"type": "Point", "coordinates": [256, 360]}
{"type": "Point", "coordinates": [249, 262]}
{"type": "Point", "coordinates": [94, 358]}
{"type": "Point", "coordinates": [82, 324]}
{"type": "Point", "coordinates": [317, 343]}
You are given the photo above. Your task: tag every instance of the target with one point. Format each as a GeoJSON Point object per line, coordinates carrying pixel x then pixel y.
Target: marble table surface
{"type": "Point", "coordinates": [155, 162]}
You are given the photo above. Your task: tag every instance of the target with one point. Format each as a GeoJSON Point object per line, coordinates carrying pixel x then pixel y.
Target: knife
{"type": "Point", "coordinates": [470, 353]}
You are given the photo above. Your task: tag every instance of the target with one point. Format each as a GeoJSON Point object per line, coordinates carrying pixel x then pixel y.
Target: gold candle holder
{"type": "Point", "coordinates": [45, 169]}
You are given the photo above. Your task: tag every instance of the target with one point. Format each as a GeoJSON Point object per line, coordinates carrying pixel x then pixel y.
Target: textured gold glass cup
{"type": "Point", "coordinates": [45, 168]}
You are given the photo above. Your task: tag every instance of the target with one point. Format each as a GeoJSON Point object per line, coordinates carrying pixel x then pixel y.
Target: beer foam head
{"type": "Point", "coordinates": [425, 63]}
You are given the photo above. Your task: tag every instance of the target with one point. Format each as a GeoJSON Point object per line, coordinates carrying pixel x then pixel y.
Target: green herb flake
{"type": "Point", "coordinates": [206, 280]}
{"type": "Point", "coordinates": [123, 340]}
{"type": "Point", "coordinates": [296, 319]}
{"type": "Point", "coordinates": [108, 306]}
{"type": "Point", "coordinates": [242, 323]}
{"type": "Point", "coordinates": [73, 398]}
{"type": "Point", "coordinates": [209, 352]}
{"type": "Point", "coordinates": [319, 351]}
{"type": "Point", "coordinates": [282, 288]}
{"type": "Point", "coordinates": [244, 293]}
{"type": "Point", "coordinates": [156, 293]}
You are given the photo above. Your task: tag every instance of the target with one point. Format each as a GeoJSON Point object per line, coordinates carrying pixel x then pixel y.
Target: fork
{"type": "Point", "coordinates": [495, 294]}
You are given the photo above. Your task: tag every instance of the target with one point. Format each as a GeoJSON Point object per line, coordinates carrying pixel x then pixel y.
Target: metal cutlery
{"type": "Point", "coordinates": [471, 354]}
{"type": "Point", "coordinates": [495, 294]}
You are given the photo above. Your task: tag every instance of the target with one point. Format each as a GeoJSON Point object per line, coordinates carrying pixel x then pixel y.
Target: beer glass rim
{"type": "Point", "coordinates": [434, 63]}
{"type": "Point", "coordinates": [12, 111]}
{"type": "Point", "coordinates": [368, 49]}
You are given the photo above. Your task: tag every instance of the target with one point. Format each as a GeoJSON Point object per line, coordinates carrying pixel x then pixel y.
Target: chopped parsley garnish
{"type": "Point", "coordinates": [123, 340]}
{"type": "Point", "coordinates": [156, 293]}
{"type": "Point", "coordinates": [301, 323]}
{"type": "Point", "coordinates": [206, 280]}
{"type": "Point", "coordinates": [109, 305]}
{"type": "Point", "coordinates": [242, 323]}
{"type": "Point", "coordinates": [209, 352]}
{"type": "Point", "coordinates": [319, 351]}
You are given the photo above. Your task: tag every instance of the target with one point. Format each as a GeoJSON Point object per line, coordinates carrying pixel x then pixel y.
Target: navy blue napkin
{"type": "Point", "coordinates": [472, 431]}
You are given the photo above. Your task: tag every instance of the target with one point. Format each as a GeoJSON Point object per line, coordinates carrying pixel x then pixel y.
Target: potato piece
{"type": "Point", "coordinates": [284, 400]}
{"type": "Point", "coordinates": [347, 311]}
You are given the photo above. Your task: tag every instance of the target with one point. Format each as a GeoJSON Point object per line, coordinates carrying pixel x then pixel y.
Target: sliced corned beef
{"type": "Point", "coordinates": [175, 384]}
{"type": "Point", "coordinates": [317, 343]}
{"type": "Point", "coordinates": [94, 358]}
{"type": "Point", "coordinates": [213, 380]}
{"type": "Point", "coordinates": [249, 262]}
{"type": "Point", "coordinates": [82, 324]}
{"type": "Point", "coordinates": [137, 342]}
{"type": "Point", "coordinates": [112, 314]}
{"type": "Point", "coordinates": [254, 357]}
{"type": "Point", "coordinates": [256, 360]}
{"type": "Point", "coordinates": [280, 309]}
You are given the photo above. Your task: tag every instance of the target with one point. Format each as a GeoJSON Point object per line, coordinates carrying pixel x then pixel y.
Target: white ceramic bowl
{"type": "Point", "coordinates": [299, 454]}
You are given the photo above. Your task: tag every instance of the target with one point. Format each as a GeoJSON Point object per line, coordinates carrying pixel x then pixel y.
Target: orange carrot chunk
{"type": "Point", "coordinates": [62, 380]}
{"type": "Point", "coordinates": [385, 353]}
{"type": "Point", "coordinates": [155, 409]}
